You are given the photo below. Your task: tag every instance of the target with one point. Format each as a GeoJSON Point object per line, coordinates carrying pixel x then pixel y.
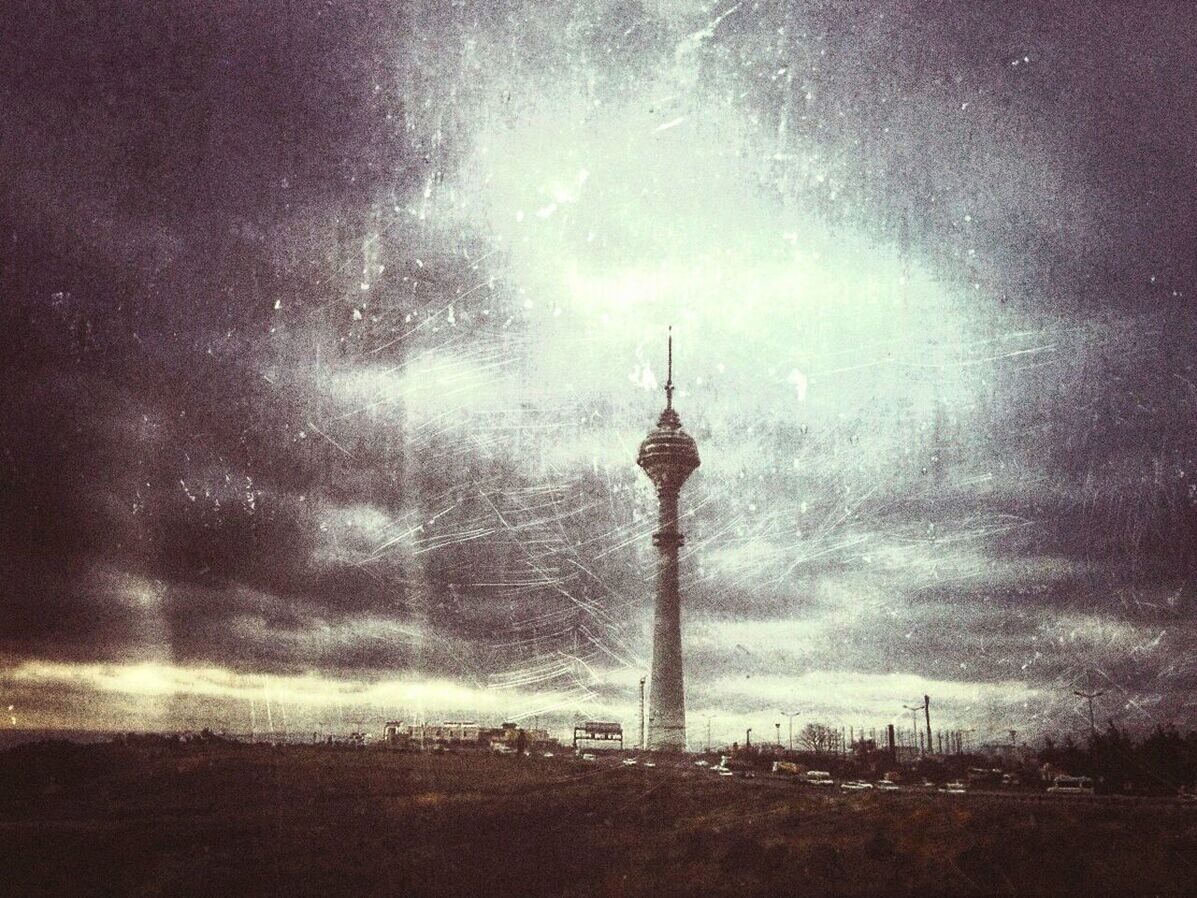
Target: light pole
{"type": "Point", "coordinates": [748, 738]}
{"type": "Point", "coordinates": [925, 707]}
{"type": "Point", "coordinates": [1090, 696]}
{"type": "Point", "coordinates": [642, 679]}
{"type": "Point", "coordinates": [914, 732]}
{"type": "Point", "coordinates": [927, 713]}
{"type": "Point", "coordinates": [778, 725]}
{"type": "Point", "coordinates": [791, 715]}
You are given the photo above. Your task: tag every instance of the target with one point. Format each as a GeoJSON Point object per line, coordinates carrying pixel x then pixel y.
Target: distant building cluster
{"type": "Point", "coordinates": [508, 737]}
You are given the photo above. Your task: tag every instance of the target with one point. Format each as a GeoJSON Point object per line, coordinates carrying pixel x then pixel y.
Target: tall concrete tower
{"type": "Point", "coordinates": [668, 455]}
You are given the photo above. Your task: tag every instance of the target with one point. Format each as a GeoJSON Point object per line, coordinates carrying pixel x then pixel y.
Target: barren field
{"type": "Point", "coordinates": [221, 820]}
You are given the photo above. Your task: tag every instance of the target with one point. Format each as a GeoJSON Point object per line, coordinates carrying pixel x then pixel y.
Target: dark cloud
{"type": "Point", "coordinates": [223, 250]}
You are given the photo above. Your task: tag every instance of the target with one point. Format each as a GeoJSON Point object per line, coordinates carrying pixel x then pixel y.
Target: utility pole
{"type": "Point", "coordinates": [708, 734]}
{"type": "Point", "coordinates": [1090, 696]}
{"type": "Point", "coordinates": [927, 714]}
{"type": "Point", "coordinates": [642, 679]}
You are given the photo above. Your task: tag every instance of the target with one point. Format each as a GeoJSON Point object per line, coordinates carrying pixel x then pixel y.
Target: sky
{"type": "Point", "coordinates": [330, 331]}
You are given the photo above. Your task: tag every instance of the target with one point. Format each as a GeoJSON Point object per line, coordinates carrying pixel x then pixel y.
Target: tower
{"type": "Point", "coordinates": [668, 455]}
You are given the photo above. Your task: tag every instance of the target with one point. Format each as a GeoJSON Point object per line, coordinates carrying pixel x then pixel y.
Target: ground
{"type": "Point", "coordinates": [218, 819]}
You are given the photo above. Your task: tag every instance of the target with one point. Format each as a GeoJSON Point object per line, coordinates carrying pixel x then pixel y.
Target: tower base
{"type": "Point", "coordinates": [666, 738]}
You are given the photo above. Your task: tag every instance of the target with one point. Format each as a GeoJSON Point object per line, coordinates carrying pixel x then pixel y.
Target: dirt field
{"type": "Point", "coordinates": [219, 820]}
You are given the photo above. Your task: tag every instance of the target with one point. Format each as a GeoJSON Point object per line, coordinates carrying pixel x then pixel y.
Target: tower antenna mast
{"type": "Point", "coordinates": [669, 372]}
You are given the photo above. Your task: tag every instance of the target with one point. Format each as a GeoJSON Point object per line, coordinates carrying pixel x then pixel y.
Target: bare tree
{"type": "Point", "coordinates": [817, 737]}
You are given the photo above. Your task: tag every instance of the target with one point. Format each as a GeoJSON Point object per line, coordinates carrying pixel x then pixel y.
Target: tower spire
{"type": "Point", "coordinates": [669, 374]}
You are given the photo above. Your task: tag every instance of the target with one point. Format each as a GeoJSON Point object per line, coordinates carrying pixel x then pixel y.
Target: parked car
{"type": "Point", "coordinates": [702, 763]}
{"type": "Point", "coordinates": [589, 757]}
{"type": "Point", "coordinates": [819, 778]}
{"type": "Point", "coordinates": [956, 788]}
{"type": "Point", "coordinates": [887, 786]}
{"type": "Point", "coordinates": [855, 786]}
{"type": "Point", "coordinates": [630, 762]}
{"type": "Point", "coordinates": [1072, 785]}
{"type": "Point", "coordinates": [650, 763]}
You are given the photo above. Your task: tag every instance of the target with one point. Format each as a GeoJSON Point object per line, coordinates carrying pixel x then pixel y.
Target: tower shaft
{"type": "Point", "coordinates": [667, 719]}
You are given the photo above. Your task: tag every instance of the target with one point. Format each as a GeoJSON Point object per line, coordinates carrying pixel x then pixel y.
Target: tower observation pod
{"type": "Point", "coordinates": [668, 456]}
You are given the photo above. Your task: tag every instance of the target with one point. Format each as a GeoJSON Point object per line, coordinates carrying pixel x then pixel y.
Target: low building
{"type": "Point", "coordinates": [456, 731]}
{"type": "Point", "coordinates": [463, 734]}
{"type": "Point", "coordinates": [1006, 752]}
{"type": "Point", "coordinates": [427, 735]}
{"type": "Point", "coordinates": [509, 734]}
{"type": "Point", "coordinates": [396, 733]}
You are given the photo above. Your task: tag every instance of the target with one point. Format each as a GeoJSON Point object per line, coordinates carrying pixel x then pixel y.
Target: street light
{"type": "Point", "coordinates": [914, 716]}
{"type": "Point", "coordinates": [791, 715]}
{"type": "Point", "coordinates": [778, 725]}
{"type": "Point", "coordinates": [643, 746]}
{"type": "Point", "coordinates": [1090, 696]}
{"type": "Point", "coordinates": [925, 707]}
{"type": "Point", "coordinates": [748, 738]}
